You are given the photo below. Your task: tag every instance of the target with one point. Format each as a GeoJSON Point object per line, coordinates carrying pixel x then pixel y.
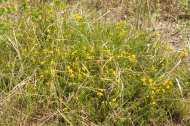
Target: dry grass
{"type": "Point", "coordinates": [111, 93]}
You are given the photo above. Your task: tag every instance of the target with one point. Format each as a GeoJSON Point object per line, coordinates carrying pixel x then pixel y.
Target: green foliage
{"type": "Point", "coordinates": [63, 63]}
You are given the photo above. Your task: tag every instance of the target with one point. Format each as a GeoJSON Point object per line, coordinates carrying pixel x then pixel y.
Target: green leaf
{"type": "Point", "coordinates": [51, 20]}
{"type": "Point", "coordinates": [2, 10]}
{"type": "Point", "coordinates": [62, 5]}
{"type": "Point", "coordinates": [25, 6]}
{"type": "Point", "coordinates": [26, 2]}
{"type": "Point", "coordinates": [1, 1]}
{"type": "Point", "coordinates": [13, 7]}
{"type": "Point", "coordinates": [8, 10]}
{"type": "Point", "coordinates": [2, 31]}
{"type": "Point", "coordinates": [6, 27]}
{"type": "Point", "coordinates": [36, 16]}
{"type": "Point", "coordinates": [2, 25]}
{"type": "Point", "coordinates": [26, 12]}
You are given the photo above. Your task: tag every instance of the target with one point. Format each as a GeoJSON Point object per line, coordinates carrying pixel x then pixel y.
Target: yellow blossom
{"type": "Point", "coordinates": [68, 67]}
{"type": "Point", "coordinates": [150, 80]}
{"type": "Point", "coordinates": [83, 69]}
{"type": "Point", "coordinates": [99, 94]}
{"type": "Point", "coordinates": [42, 63]}
{"type": "Point", "coordinates": [163, 90]}
{"type": "Point", "coordinates": [167, 86]}
{"type": "Point", "coordinates": [47, 83]}
{"type": "Point", "coordinates": [156, 34]}
{"type": "Point", "coordinates": [47, 71]}
{"type": "Point", "coordinates": [153, 68]}
{"type": "Point", "coordinates": [87, 75]}
{"type": "Point", "coordinates": [100, 89]}
{"type": "Point", "coordinates": [133, 56]}
{"type": "Point", "coordinates": [49, 36]}
{"type": "Point", "coordinates": [75, 98]}
{"type": "Point", "coordinates": [186, 52]}
{"type": "Point", "coordinates": [114, 100]}
{"type": "Point", "coordinates": [182, 54]}
{"type": "Point", "coordinates": [154, 103]}
{"type": "Point", "coordinates": [52, 62]}
{"type": "Point", "coordinates": [80, 76]}
{"type": "Point", "coordinates": [45, 51]}
{"type": "Point", "coordinates": [72, 75]}
{"type": "Point", "coordinates": [70, 71]}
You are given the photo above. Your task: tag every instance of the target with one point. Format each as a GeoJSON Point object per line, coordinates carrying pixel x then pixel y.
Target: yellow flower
{"type": "Point", "coordinates": [68, 67]}
{"type": "Point", "coordinates": [49, 36]}
{"type": "Point", "coordinates": [156, 34]}
{"type": "Point", "coordinates": [45, 51]}
{"type": "Point", "coordinates": [100, 89]}
{"type": "Point", "coordinates": [47, 83]}
{"type": "Point", "coordinates": [114, 100]}
{"type": "Point", "coordinates": [182, 54]}
{"type": "Point", "coordinates": [124, 22]}
{"type": "Point", "coordinates": [75, 98]}
{"type": "Point", "coordinates": [53, 70]}
{"type": "Point", "coordinates": [167, 86]}
{"type": "Point", "coordinates": [143, 80]}
{"type": "Point", "coordinates": [80, 76]}
{"type": "Point", "coordinates": [87, 75]}
{"type": "Point", "coordinates": [154, 103]}
{"type": "Point", "coordinates": [32, 24]}
{"type": "Point", "coordinates": [150, 80]}
{"type": "Point", "coordinates": [65, 109]}
{"type": "Point", "coordinates": [31, 59]}
{"type": "Point", "coordinates": [42, 63]}
{"type": "Point", "coordinates": [83, 69]}
{"type": "Point", "coordinates": [92, 49]}
{"type": "Point", "coordinates": [70, 71]}
{"type": "Point", "coordinates": [52, 62]}
{"type": "Point", "coordinates": [186, 52]}
{"type": "Point", "coordinates": [109, 103]}
{"type": "Point", "coordinates": [133, 56]}
{"type": "Point", "coordinates": [72, 75]}
{"type": "Point", "coordinates": [84, 48]}
{"type": "Point", "coordinates": [163, 90]}
{"type": "Point", "coordinates": [99, 94]}
{"type": "Point", "coordinates": [153, 68]}
{"type": "Point", "coordinates": [48, 30]}
{"type": "Point", "coordinates": [117, 81]}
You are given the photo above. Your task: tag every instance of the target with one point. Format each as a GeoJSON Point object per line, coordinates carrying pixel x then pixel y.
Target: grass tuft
{"type": "Point", "coordinates": [84, 63]}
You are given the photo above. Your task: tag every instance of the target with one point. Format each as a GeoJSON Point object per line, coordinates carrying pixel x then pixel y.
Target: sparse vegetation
{"type": "Point", "coordinates": [93, 63]}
